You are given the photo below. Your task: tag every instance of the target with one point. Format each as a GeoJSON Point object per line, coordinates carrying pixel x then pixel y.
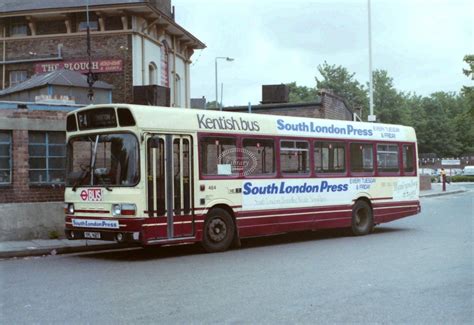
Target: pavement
{"type": "Point", "coordinates": [43, 247]}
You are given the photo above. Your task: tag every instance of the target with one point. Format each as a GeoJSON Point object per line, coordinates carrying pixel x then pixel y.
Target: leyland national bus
{"type": "Point", "coordinates": [158, 175]}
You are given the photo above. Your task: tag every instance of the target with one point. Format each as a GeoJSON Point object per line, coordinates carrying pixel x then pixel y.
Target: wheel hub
{"type": "Point", "coordinates": [217, 230]}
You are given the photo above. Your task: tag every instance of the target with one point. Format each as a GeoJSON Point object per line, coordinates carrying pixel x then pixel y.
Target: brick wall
{"type": "Point", "coordinates": [74, 47]}
{"type": "Point", "coordinates": [334, 107]}
{"type": "Point", "coordinates": [330, 106]}
{"type": "Point", "coordinates": [308, 111]}
{"type": "Point", "coordinates": [20, 190]}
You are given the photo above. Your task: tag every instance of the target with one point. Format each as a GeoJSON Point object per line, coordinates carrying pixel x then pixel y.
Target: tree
{"type": "Point", "coordinates": [301, 94]}
{"type": "Point", "coordinates": [212, 104]}
{"type": "Point", "coordinates": [343, 83]}
{"type": "Point", "coordinates": [439, 134]}
{"type": "Point", "coordinates": [388, 102]}
{"type": "Point", "coordinates": [468, 91]}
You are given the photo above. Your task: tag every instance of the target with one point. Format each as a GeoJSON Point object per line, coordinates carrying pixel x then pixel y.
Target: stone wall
{"type": "Point", "coordinates": [26, 221]}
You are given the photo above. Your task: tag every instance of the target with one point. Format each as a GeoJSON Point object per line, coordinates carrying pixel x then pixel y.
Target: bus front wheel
{"type": "Point", "coordinates": [219, 230]}
{"type": "Point", "coordinates": [362, 218]}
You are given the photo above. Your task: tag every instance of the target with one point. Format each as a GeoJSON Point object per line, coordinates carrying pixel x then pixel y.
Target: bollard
{"type": "Point", "coordinates": [444, 182]}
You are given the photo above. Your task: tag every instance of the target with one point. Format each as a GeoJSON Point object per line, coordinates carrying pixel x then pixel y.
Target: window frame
{"type": "Point", "coordinates": [20, 72]}
{"type": "Point", "coordinates": [374, 159]}
{"type": "Point", "coordinates": [310, 172]}
{"type": "Point", "coordinates": [385, 172]}
{"type": "Point", "coordinates": [275, 155]}
{"type": "Point", "coordinates": [311, 146]}
{"type": "Point", "coordinates": [415, 162]}
{"type": "Point", "coordinates": [346, 156]}
{"type": "Point", "coordinates": [200, 160]}
{"type": "Point", "coordinates": [14, 26]}
{"type": "Point", "coordinates": [10, 157]}
{"type": "Point", "coordinates": [47, 157]}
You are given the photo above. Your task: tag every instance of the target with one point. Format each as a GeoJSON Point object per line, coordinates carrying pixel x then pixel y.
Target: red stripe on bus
{"type": "Point", "coordinates": [245, 213]}
{"type": "Point", "coordinates": [92, 211]}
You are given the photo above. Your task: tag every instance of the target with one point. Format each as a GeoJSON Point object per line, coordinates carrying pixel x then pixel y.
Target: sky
{"type": "Point", "coordinates": [421, 43]}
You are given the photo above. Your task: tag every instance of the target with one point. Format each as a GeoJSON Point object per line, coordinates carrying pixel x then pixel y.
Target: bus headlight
{"type": "Point", "coordinates": [116, 210]}
{"type": "Point", "coordinates": [69, 208]}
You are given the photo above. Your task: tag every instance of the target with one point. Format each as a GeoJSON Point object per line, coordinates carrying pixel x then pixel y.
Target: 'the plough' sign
{"type": "Point", "coordinates": [82, 66]}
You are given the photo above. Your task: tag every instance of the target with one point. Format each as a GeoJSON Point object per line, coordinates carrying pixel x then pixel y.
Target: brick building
{"type": "Point", "coordinates": [134, 43]}
{"type": "Point", "coordinates": [32, 152]}
{"type": "Point", "coordinates": [327, 106]}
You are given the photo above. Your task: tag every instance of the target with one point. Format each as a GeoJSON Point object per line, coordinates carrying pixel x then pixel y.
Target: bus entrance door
{"type": "Point", "coordinates": [170, 179]}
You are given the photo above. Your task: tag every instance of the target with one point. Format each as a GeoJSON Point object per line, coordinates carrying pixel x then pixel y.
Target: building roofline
{"type": "Point", "coordinates": [119, 6]}
{"type": "Point", "coordinates": [271, 106]}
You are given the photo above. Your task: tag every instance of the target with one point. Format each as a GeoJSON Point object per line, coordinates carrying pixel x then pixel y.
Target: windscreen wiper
{"type": "Point", "coordinates": [81, 179]}
{"type": "Point", "coordinates": [88, 169]}
{"type": "Point", "coordinates": [102, 179]}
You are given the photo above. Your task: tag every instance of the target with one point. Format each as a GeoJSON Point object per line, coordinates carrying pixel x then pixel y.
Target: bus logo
{"type": "Point", "coordinates": [238, 161]}
{"type": "Point", "coordinates": [93, 194]}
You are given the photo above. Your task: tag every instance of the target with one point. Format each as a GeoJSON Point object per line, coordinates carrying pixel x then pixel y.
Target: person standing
{"type": "Point", "coordinates": [443, 178]}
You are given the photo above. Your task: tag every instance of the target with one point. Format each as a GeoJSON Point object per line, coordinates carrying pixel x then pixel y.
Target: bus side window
{"type": "Point", "coordinates": [329, 157]}
{"type": "Point", "coordinates": [258, 157]}
{"type": "Point", "coordinates": [218, 156]}
{"type": "Point", "coordinates": [387, 157]}
{"type": "Point", "coordinates": [408, 158]}
{"type": "Point", "coordinates": [294, 157]}
{"type": "Point", "coordinates": [362, 157]}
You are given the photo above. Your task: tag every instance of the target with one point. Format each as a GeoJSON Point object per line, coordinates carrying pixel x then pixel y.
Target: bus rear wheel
{"type": "Point", "coordinates": [362, 218]}
{"type": "Point", "coordinates": [219, 230]}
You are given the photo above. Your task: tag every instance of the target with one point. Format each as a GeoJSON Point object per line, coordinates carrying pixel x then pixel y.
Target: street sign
{"type": "Point", "coordinates": [449, 162]}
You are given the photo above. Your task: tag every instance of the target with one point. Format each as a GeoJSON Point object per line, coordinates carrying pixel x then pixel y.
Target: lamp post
{"type": "Point", "coordinates": [220, 58]}
{"type": "Point", "coordinates": [371, 117]}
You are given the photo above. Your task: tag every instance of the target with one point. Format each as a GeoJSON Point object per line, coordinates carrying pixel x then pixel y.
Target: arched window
{"type": "Point", "coordinates": [152, 74]}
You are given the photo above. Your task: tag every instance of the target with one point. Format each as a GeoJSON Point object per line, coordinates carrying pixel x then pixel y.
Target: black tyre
{"type": "Point", "coordinates": [362, 218]}
{"type": "Point", "coordinates": [218, 232]}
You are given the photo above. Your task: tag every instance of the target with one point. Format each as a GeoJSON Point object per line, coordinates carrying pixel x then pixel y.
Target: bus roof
{"type": "Point", "coordinates": [212, 121]}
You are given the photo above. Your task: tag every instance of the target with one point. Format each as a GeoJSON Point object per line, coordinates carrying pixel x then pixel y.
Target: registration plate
{"type": "Point", "coordinates": [92, 235]}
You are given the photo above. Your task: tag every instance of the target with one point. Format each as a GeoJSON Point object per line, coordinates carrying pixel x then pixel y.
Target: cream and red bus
{"type": "Point", "coordinates": [158, 175]}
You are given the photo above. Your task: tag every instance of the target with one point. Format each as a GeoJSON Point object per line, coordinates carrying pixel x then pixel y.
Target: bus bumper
{"type": "Point", "coordinates": [129, 230]}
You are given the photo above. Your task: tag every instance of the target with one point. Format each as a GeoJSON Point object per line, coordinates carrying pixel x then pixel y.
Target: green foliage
{"type": "Point", "coordinates": [53, 234]}
{"type": "Point", "coordinates": [444, 122]}
{"type": "Point", "coordinates": [469, 59]}
{"type": "Point", "coordinates": [343, 83]}
{"type": "Point", "coordinates": [301, 94]}
{"type": "Point", "coordinates": [212, 104]}
{"type": "Point", "coordinates": [388, 102]}
{"type": "Point", "coordinates": [468, 91]}
{"type": "Point", "coordinates": [462, 178]}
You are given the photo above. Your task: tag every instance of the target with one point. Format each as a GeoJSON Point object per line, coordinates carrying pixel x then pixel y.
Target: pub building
{"type": "Point", "coordinates": [139, 53]}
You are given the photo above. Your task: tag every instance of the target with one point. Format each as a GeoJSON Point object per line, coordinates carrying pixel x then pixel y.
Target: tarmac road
{"type": "Point", "coordinates": [415, 270]}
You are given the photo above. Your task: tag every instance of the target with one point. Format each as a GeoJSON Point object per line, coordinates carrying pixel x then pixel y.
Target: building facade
{"type": "Point", "coordinates": [133, 43]}
{"type": "Point", "coordinates": [32, 152]}
{"type": "Point", "coordinates": [327, 106]}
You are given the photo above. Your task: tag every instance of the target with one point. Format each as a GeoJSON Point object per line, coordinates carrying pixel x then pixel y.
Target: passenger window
{"type": "Point", "coordinates": [408, 158]}
{"type": "Point", "coordinates": [258, 157]}
{"type": "Point", "coordinates": [218, 156]}
{"type": "Point", "coordinates": [362, 158]}
{"type": "Point", "coordinates": [329, 157]}
{"type": "Point", "coordinates": [294, 157]}
{"type": "Point", "coordinates": [387, 157]}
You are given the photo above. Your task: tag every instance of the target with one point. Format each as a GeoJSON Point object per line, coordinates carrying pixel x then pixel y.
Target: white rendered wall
{"type": "Point", "coordinates": [152, 53]}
